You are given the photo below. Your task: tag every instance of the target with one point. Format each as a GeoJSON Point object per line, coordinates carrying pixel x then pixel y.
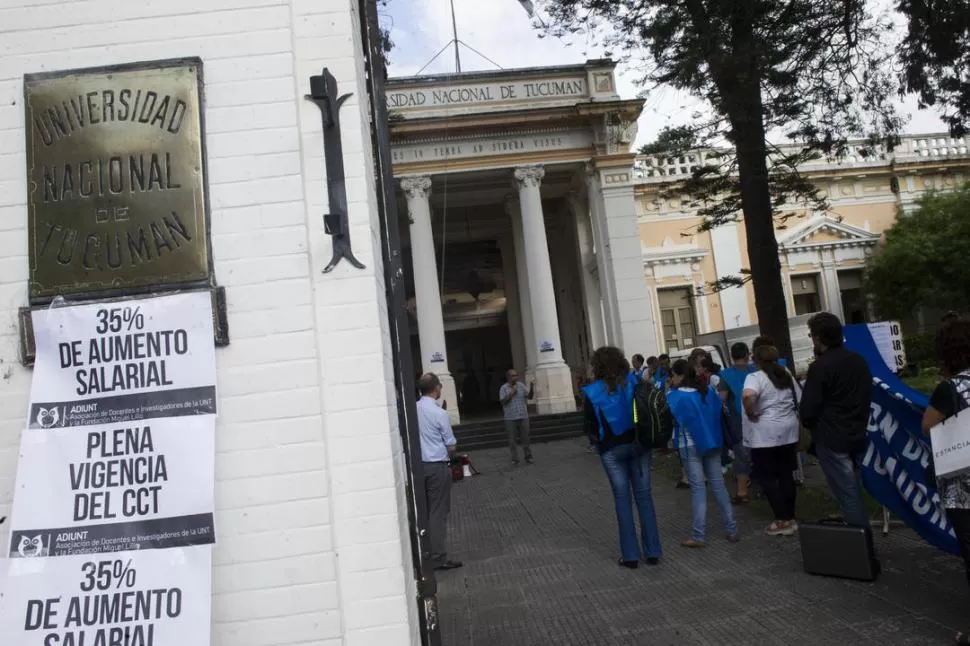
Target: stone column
{"type": "Point", "coordinates": [628, 302]}
{"type": "Point", "coordinates": [427, 294]}
{"type": "Point", "coordinates": [831, 290]}
{"type": "Point", "coordinates": [564, 286]}
{"type": "Point", "coordinates": [522, 283]}
{"type": "Point", "coordinates": [609, 307]}
{"type": "Point", "coordinates": [513, 307]}
{"type": "Point", "coordinates": [587, 267]}
{"type": "Point", "coordinates": [554, 387]}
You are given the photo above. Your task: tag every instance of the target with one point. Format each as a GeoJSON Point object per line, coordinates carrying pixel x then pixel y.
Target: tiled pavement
{"type": "Point", "coordinates": [539, 546]}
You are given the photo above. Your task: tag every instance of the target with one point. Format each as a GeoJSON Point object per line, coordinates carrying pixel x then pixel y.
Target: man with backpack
{"type": "Point", "coordinates": [732, 384]}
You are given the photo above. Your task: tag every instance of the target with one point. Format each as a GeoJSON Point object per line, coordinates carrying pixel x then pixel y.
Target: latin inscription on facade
{"type": "Point", "coordinates": [408, 153]}
{"type": "Point", "coordinates": [468, 95]}
{"type": "Point", "coordinates": [115, 178]}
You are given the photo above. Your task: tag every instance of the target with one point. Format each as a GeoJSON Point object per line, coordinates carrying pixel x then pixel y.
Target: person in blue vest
{"type": "Point", "coordinates": [638, 367]}
{"type": "Point", "coordinates": [732, 381]}
{"type": "Point", "coordinates": [698, 438]}
{"type": "Point", "coordinates": [608, 414]}
{"type": "Point", "coordinates": [662, 372]}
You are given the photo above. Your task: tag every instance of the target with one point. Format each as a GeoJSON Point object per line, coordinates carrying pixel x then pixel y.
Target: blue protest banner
{"type": "Point", "coordinates": [897, 456]}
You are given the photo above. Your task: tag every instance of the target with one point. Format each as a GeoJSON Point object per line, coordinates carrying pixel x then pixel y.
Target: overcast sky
{"type": "Point", "coordinates": [501, 31]}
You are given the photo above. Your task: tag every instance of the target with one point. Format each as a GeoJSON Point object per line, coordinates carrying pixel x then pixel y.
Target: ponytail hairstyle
{"type": "Point", "coordinates": [686, 369]}
{"type": "Point", "coordinates": [766, 357]}
{"type": "Point", "coordinates": [610, 365]}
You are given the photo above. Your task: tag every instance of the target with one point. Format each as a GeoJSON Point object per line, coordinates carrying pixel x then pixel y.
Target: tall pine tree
{"type": "Point", "coordinates": [814, 71]}
{"type": "Point", "coordinates": [936, 55]}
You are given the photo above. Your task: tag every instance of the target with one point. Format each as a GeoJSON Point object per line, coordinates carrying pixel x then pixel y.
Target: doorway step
{"type": "Point", "coordinates": [542, 428]}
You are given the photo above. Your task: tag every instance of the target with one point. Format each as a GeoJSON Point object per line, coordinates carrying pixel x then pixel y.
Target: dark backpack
{"type": "Point", "coordinates": [653, 423]}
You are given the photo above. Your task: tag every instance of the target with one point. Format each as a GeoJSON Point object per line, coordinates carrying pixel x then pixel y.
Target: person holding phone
{"type": "Point", "coordinates": [515, 409]}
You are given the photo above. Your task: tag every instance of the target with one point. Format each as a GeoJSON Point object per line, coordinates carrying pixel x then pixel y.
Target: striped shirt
{"type": "Point", "coordinates": [517, 407]}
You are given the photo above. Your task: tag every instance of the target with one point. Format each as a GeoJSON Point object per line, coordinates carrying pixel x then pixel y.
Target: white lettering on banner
{"type": "Point", "coordinates": [405, 153]}
{"type": "Point", "coordinates": [547, 89]}
{"type": "Point", "coordinates": [116, 478]}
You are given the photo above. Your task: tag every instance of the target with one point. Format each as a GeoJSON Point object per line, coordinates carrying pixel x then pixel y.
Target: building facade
{"type": "Point", "coordinates": [823, 255]}
{"type": "Point", "coordinates": [313, 542]}
{"type": "Point", "coordinates": [533, 235]}
{"type": "Point", "coordinates": [519, 191]}
{"type": "Point", "coordinates": [537, 234]}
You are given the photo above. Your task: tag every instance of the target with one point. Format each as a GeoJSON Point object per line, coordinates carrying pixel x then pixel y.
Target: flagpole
{"type": "Point", "coordinates": [454, 32]}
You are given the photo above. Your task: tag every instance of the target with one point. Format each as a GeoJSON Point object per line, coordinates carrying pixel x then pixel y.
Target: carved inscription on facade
{"type": "Point", "coordinates": [115, 178]}
{"type": "Point", "coordinates": [489, 147]}
{"type": "Point", "coordinates": [467, 95]}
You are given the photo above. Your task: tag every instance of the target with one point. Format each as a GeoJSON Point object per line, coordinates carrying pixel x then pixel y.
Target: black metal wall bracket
{"type": "Point", "coordinates": [323, 92]}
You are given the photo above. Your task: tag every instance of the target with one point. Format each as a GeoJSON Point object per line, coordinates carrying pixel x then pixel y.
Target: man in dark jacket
{"type": "Point", "coordinates": [835, 408]}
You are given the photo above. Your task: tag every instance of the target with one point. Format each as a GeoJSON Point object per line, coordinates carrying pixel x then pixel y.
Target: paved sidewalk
{"type": "Point", "coordinates": [539, 545]}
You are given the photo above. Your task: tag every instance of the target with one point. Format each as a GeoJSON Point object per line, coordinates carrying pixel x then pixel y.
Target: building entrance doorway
{"type": "Point", "coordinates": [480, 358]}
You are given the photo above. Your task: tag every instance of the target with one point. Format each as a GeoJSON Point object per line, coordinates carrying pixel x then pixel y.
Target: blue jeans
{"type": "Point", "coordinates": [629, 468]}
{"type": "Point", "coordinates": [698, 468]}
{"type": "Point", "coordinates": [842, 474]}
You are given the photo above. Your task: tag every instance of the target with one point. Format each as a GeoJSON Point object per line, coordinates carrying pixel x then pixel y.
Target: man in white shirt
{"type": "Point", "coordinates": [438, 444]}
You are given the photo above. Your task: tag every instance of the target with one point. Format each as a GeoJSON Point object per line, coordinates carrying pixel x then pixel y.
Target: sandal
{"type": "Point", "coordinates": [691, 543]}
{"type": "Point", "coordinates": [682, 485]}
{"type": "Point", "coordinates": [740, 500]}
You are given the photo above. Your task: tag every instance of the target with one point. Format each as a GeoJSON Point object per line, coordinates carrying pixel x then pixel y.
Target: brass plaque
{"type": "Point", "coordinates": [116, 179]}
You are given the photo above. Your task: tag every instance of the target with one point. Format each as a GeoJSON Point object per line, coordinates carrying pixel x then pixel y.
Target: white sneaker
{"type": "Point", "coordinates": [782, 530]}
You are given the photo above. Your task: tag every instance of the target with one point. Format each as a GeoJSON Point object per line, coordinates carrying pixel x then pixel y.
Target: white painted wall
{"type": "Point", "coordinates": [727, 262]}
{"type": "Point", "coordinates": [313, 544]}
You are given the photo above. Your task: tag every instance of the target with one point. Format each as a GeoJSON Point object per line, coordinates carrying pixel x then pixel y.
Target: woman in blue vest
{"type": "Point", "coordinates": [608, 411]}
{"type": "Point", "coordinates": [699, 437]}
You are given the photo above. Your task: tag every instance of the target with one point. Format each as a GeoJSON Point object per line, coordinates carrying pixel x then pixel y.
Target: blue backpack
{"type": "Point", "coordinates": [615, 407]}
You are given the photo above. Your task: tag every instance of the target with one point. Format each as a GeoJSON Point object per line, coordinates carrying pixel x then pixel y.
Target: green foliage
{"type": "Point", "coordinates": [386, 43]}
{"type": "Point", "coordinates": [919, 349]}
{"type": "Point", "coordinates": [923, 262]}
{"type": "Point", "coordinates": [925, 381]}
{"type": "Point", "coordinates": [814, 70]}
{"type": "Point", "coordinates": [936, 57]}
{"type": "Point", "coordinates": [672, 140]}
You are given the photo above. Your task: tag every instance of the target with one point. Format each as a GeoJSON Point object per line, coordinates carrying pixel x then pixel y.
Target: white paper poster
{"type": "Point", "coordinates": [145, 598]}
{"type": "Point", "coordinates": [116, 473]}
{"type": "Point", "coordinates": [888, 337]}
{"type": "Point", "coordinates": [115, 362]}
{"type": "Point", "coordinates": [116, 487]}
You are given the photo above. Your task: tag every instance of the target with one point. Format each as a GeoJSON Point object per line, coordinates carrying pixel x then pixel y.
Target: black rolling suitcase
{"type": "Point", "coordinates": [832, 548]}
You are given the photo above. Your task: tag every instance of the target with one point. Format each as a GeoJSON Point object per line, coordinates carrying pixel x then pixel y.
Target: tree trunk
{"type": "Point", "coordinates": [769, 294]}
